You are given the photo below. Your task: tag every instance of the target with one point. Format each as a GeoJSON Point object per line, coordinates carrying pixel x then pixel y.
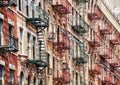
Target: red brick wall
{"type": "Point", "coordinates": [9, 58]}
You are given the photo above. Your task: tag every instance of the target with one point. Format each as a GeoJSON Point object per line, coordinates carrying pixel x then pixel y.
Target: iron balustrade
{"type": "Point", "coordinates": [38, 16]}
{"type": "Point", "coordinates": [5, 3]}
{"type": "Point", "coordinates": [9, 43]}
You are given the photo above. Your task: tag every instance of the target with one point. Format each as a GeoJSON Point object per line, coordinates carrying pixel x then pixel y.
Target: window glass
{"type": "Point", "coordinates": [0, 30]}
{"type": "Point", "coordinates": [21, 34]}
{"type": "Point", "coordinates": [11, 76]}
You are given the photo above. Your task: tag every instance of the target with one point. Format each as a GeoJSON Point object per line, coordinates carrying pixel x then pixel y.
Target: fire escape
{"type": "Point", "coordinates": [9, 43]}
{"type": "Point", "coordinates": [6, 3]}
{"type": "Point", "coordinates": [40, 20]}
{"type": "Point", "coordinates": [105, 28]}
{"type": "Point", "coordinates": [95, 16]}
{"type": "Point", "coordinates": [115, 38]}
{"type": "Point", "coordinates": [108, 79]}
{"type": "Point", "coordinates": [80, 26]}
{"type": "Point", "coordinates": [115, 61]}
{"type": "Point", "coordinates": [95, 68]}
{"type": "Point", "coordinates": [95, 13]}
{"type": "Point", "coordinates": [64, 77]}
{"type": "Point", "coordinates": [62, 41]}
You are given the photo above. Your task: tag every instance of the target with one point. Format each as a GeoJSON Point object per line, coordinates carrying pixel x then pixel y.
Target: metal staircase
{"type": "Point", "coordinates": [43, 60]}
{"type": "Point", "coordinates": [43, 55]}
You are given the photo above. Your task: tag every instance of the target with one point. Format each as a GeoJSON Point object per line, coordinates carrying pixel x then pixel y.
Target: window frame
{"type": "Point", "coordinates": [2, 74]}
{"type": "Point", "coordinates": [21, 40]}
{"type": "Point", "coordinates": [20, 5]}
{"type": "Point", "coordinates": [12, 76]}
{"type": "Point", "coordinates": [28, 44]}
{"type": "Point", "coordinates": [34, 47]}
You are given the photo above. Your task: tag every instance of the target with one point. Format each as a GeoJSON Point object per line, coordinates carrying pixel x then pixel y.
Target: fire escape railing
{"type": "Point", "coordinates": [9, 43]}
{"type": "Point", "coordinates": [63, 7]}
{"type": "Point", "coordinates": [38, 17]}
{"type": "Point", "coordinates": [6, 3]}
{"type": "Point", "coordinates": [79, 25]}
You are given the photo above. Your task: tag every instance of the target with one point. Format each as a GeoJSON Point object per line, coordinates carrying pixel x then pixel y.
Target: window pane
{"type": "Point", "coordinates": [28, 41]}
{"type": "Point", "coordinates": [11, 35]}
{"type": "Point", "coordinates": [0, 30]}
{"type": "Point", "coordinates": [1, 70]}
{"type": "Point", "coordinates": [20, 5]}
{"type": "Point", "coordinates": [11, 76]}
{"type": "Point", "coordinates": [21, 34]}
{"type": "Point", "coordinates": [34, 40]}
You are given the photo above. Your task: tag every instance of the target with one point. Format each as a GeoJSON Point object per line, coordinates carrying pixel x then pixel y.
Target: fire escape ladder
{"type": "Point", "coordinates": [43, 55]}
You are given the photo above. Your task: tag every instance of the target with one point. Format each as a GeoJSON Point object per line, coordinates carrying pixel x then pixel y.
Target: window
{"type": "Point", "coordinates": [0, 31]}
{"type": "Point", "coordinates": [11, 35]}
{"type": "Point", "coordinates": [76, 78]}
{"type": "Point", "coordinates": [58, 67]}
{"type": "Point", "coordinates": [11, 77]}
{"type": "Point", "coordinates": [21, 78]}
{"type": "Point", "coordinates": [1, 75]}
{"type": "Point", "coordinates": [34, 81]}
{"type": "Point", "coordinates": [27, 8]}
{"type": "Point", "coordinates": [76, 50]}
{"type": "Point", "coordinates": [34, 40]}
{"type": "Point", "coordinates": [72, 50]}
{"type": "Point", "coordinates": [39, 5]}
{"type": "Point", "coordinates": [28, 42]}
{"type": "Point", "coordinates": [29, 79]}
{"type": "Point", "coordinates": [20, 5]}
{"type": "Point", "coordinates": [21, 37]}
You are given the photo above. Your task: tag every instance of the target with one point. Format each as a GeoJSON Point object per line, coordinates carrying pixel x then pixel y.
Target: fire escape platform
{"type": "Point", "coordinates": [81, 1]}
{"type": "Point", "coordinates": [96, 69]}
{"type": "Point", "coordinates": [62, 7]}
{"type": "Point", "coordinates": [95, 14]}
{"type": "Point", "coordinates": [38, 63]}
{"type": "Point", "coordinates": [81, 60]}
{"type": "Point", "coordinates": [5, 3]}
{"type": "Point", "coordinates": [10, 44]}
{"type": "Point", "coordinates": [82, 27]}
{"type": "Point", "coordinates": [40, 18]}
{"type": "Point", "coordinates": [38, 22]}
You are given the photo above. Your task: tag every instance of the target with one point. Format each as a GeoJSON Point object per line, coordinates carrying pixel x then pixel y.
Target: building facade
{"type": "Point", "coordinates": [8, 43]}
{"type": "Point", "coordinates": [58, 42]}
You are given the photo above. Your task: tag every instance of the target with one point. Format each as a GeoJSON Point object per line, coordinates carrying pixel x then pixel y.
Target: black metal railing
{"type": "Point", "coordinates": [79, 25]}
{"type": "Point", "coordinates": [43, 62]}
{"type": "Point", "coordinates": [38, 16]}
{"type": "Point", "coordinates": [83, 58]}
{"type": "Point", "coordinates": [81, 1]}
{"type": "Point", "coordinates": [9, 43]}
{"type": "Point", "coordinates": [5, 3]}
